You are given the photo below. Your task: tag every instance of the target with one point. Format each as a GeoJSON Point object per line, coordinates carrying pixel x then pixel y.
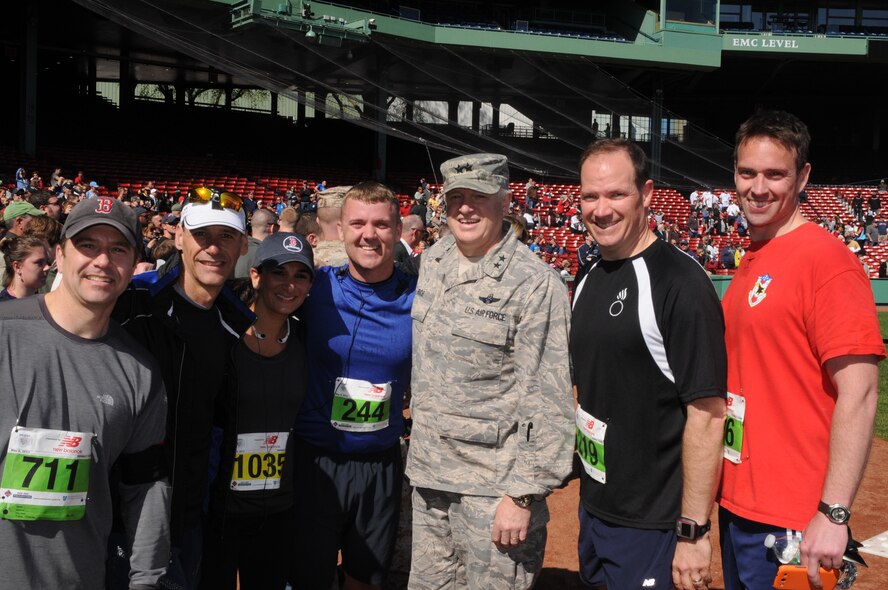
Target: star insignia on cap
{"type": "Point", "coordinates": [502, 258]}
{"type": "Point", "coordinates": [467, 167]}
{"type": "Point", "coordinates": [496, 265]}
{"type": "Point", "coordinates": [488, 299]}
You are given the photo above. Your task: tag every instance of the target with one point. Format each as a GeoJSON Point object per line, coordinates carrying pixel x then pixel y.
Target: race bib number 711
{"type": "Point", "coordinates": [45, 475]}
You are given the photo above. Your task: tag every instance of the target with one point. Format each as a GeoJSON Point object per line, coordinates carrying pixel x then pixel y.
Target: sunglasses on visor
{"type": "Point", "coordinates": [220, 200]}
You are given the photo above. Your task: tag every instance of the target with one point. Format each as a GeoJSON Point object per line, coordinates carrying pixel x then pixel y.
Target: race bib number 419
{"type": "Point", "coordinates": [590, 444]}
{"type": "Point", "coordinates": [45, 475]}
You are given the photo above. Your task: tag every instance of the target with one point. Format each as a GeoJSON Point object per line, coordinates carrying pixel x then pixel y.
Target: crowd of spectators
{"type": "Point", "coordinates": [712, 233]}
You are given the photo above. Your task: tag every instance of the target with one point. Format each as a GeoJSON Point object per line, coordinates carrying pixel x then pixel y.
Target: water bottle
{"type": "Point", "coordinates": [786, 548]}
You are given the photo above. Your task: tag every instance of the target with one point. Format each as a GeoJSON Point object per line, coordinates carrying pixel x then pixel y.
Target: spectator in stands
{"type": "Point", "coordinates": [308, 226]}
{"type": "Point", "coordinates": [727, 256]}
{"type": "Point", "coordinates": [487, 531]}
{"type": "Point", "coordinates": [47, 202]}
{"type": "Point", "coordinates": [724, 200]}
{"type": "Point", "coordinates": [330, 249]}
{"type": "Point", "coordinates": [530, 194]}
{"type": "Point", "coordinates": [287, 220]}
{"type": "Point", "coordinates": [875, 203]}
{"type": "Point", "coordinates": [168, 225]}
{"type": "Point", "coordinates": [21, 179]}
{"type": "Point", "coordinates": [883, 270]}
{"type": "Point", "coordinates": [35, 182]}
{"type": "Point", "coordinates": [529, 221]}
{"type": "Point", "coordinates": [564, 271]}
{"type": "Point", "coordinates": [93, 190]}
{"type": "Point", "coordinates": [553, 247]}
{"type": "Point", "coordinates": [17, 215]}
{"type": "Point", "coordinates": [412, 233]}
{"type": "Point", "coordinates": [872, 233]}
{"type": "Point", "coordinates": [693, 226]}
{"type": "Point", "coordinates": [883, 186]}
{"type": "Point", "coordinates": [536, 245]}
{"type": "Point", "coordinates": [576, 223]}
{"type": "Point", "coordinates": [56, 179]}
{"type": "Point", "coordinates": [588, 252]}
{"type": "Point", "coordinates": [857, 205]}
{"type": "Point", "coordinates": [261, 226]}
{"type": "Point", "coordinates": [733, 212]}
{"type": "Point", "coordinates": [700, 255]}
{"type": "Point", "coordinates": [419, 209]}
{"type": "Point", "coordinates": [186, 316]}
{"type": "Point", "coordinates": [50, 231]}
{"type": "Point", "coordinates": [27, 261]}
{"type": "Point", "coordinates": [685, 247]}
{"type": "Point", "coordinates": [852, 244]}
{"type": "Point", "coordinates": [672, 232]}
{"type": "Point", "coordinates": [419, 195]}
{"type": "Point", "coordinates": [739, 253]}
{"type": "Point", "coordinates": [320, 187]}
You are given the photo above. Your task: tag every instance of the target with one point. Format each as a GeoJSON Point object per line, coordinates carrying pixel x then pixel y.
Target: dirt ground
{"type": "Point", "coordinates": [870, 518]}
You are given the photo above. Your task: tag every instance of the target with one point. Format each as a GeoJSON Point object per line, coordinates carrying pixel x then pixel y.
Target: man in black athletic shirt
{"type": "Point", "coordinates": [647, 347]}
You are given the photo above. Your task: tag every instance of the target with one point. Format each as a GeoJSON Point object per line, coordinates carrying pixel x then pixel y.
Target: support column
{"type": "Point", "coordinates": [300, 109]}
{"type": "Point", "coordinates": [656, 135]}
{"type": "Point", "coordinates": [476, 115]}
{"type": "Point", "coordinates": [28, 118]}
{"type": "Point", "coordinates": [495, 120]}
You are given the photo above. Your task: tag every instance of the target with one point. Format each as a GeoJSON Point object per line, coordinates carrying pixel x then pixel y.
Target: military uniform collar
{"type": "Point", "coordinates": [493, 264]}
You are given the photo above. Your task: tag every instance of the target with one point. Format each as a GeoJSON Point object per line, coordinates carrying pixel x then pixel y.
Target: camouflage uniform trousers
{"type": "Point", "coordinates": [452, 546]}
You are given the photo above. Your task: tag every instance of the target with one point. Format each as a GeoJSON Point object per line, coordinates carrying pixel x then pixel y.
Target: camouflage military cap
{"type": "Point", "coordinates": [485, 173]}
{"type": "Point", "coordinates": [332, 197]}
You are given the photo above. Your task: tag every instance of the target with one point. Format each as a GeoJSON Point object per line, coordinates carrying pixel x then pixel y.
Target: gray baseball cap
{"type": "Point", "coordinates": [104, 211]}
{"type": "Point", "coordinates": [283, 247]}
{"type": "Point", "coordinates": [485, 173]}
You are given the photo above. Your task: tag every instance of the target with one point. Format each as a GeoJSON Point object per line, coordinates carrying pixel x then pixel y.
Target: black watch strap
{"type": "Point", "coordinates": [686, 528]}
{"type": "Point", "coordinates": [836, 513]}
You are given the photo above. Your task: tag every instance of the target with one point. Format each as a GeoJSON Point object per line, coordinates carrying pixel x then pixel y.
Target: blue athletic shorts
{"type": "Point", "coordinates": [349, 503]}
{"type": "Point", "coordinates": [746, 563]}
{"type": "Point", "coordinates": [622, 557]}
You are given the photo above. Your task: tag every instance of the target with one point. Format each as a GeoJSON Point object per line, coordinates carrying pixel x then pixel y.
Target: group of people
{"type": "Point", "coordinates": [197, 430]}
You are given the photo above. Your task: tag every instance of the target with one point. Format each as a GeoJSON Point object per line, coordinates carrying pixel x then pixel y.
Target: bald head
{"type": "Point", "coordinates": [262, 224]}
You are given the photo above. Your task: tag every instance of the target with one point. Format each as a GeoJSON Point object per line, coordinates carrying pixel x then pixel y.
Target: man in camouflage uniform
{"type": "Point", "coordinates": [330, 250]}
{"type": "Point", "coordinates": [492, 404]}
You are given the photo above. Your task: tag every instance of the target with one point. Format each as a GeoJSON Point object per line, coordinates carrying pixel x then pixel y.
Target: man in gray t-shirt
{"type": "Point", "coordinates": [79, 399]}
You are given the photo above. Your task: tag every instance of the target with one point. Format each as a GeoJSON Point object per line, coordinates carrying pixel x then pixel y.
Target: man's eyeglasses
{"type": "Point", "coordinates": [220, 200]}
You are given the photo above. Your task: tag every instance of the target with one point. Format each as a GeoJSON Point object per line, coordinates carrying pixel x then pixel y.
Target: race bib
{"type": "Point", "coordinates": [360, 406]}
{"type": "Point", "coordinates": [734, 427]}
{"type": "Point", "coordinates": [45, 475]}
{"type": "Point", "coordinates": [590, 444]}
{"type": "Point", "coordinates": [259, 461]}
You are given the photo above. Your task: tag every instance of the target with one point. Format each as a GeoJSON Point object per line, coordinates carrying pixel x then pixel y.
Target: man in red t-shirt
{"type": "Point", "coordinates": [803, 346]}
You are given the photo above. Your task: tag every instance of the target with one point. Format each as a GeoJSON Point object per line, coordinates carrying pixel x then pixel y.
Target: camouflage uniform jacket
{"type": "Point", "coordinates": [492, 402]}
{"type": "Point", "coordinates": [330, 253]}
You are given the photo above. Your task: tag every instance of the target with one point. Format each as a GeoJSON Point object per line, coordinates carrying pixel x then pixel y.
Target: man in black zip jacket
{"type": "Point", "coordinates": [190, 321]}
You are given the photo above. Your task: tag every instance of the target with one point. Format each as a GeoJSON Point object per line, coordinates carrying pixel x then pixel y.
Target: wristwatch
{"type": "Point", "coordinates": [522, 501]}
{"type": "Point", "coordinates": [836, 513]}
{"type": "Point", "coordinates": [686, 528]}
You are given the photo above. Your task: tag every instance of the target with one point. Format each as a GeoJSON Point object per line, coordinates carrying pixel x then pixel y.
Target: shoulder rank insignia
{"type": "Point", "coordinates": [488, 299]}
